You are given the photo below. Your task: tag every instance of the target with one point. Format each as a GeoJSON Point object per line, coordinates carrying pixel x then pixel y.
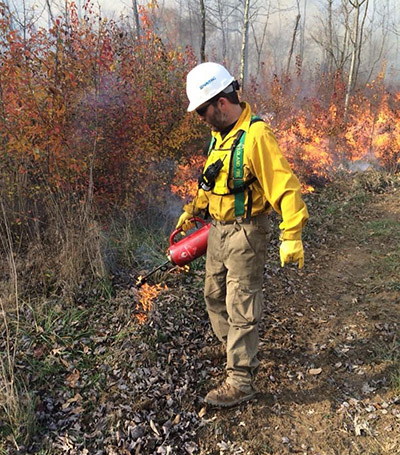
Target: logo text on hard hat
{"type": "Point", "coordinates": [207, 82]}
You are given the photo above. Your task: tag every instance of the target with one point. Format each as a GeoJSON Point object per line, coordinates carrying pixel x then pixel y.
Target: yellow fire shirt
{"type": "Point", "coordinates": [276, 185]}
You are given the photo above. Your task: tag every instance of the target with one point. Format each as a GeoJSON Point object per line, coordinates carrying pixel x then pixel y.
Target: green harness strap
{"type": "Point", "coordinates": [239, 185]}
{"type": "Point", "coordinates": [238, 170]}
{"type": "Point", "coordinates": [212, 145]}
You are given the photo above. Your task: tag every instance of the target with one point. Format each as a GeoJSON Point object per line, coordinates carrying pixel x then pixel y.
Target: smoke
{"type": "Point", "coordinates": [360, 166]}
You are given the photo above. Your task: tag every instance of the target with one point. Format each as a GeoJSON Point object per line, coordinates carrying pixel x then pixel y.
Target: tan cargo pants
{"type": "Point", "coordinates": [233, 292]}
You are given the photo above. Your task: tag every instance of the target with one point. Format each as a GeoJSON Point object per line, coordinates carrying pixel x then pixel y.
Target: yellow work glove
{"type": "Point", "coordinates": [292, 251]}
{"type": "Point", "coordinates": [185, 223]}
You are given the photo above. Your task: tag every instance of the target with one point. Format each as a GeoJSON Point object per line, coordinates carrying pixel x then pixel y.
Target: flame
{"type": "Point", "coordinates": [185, 182]}
{"type": "Point", "coordinates": [386, 138]}
{"type": "Point", "coordinates": [317, 143]}
{"type": "Point", "coordinates": [183, 269]}
{"type": "Point", "coordinates": [306, 146]}
{"type": "Point", "coordinates": [307, 188]}
{"type": "Point", "coordinates": [185, 190]}
{"type": "Point", "coordinates": [147, 295]}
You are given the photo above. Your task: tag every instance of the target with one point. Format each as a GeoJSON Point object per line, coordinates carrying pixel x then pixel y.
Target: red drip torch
{"type": "Point", "coordinates": [185, 250]}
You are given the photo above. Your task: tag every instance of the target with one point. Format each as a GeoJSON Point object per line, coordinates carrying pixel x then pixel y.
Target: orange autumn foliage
{"type": "Point", "coordinates": [88, 112]}
{"type": "Point", "coordinates": [91, 114]}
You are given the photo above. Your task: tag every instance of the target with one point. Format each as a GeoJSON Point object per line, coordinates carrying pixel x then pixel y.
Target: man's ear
{"type": "Point", "coordinates": [223, 102]}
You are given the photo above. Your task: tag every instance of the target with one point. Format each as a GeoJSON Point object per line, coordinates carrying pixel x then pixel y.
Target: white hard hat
{"type": "Point", "coordinates": [204, 82]}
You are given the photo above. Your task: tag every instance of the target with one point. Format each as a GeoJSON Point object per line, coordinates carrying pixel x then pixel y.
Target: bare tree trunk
{"type": "Point", "coordinates": [350, 83]}
{"type": "Point", "coordinates": [260, 45]}
{"type": "Point", "coordinates": [330, 36]}
{"type": "Point", "coordinates": [222, 20]}
{"type": "Point", "coordinates": [218, 14]}
{"type": "Point", "coordinates": [136, 18]}
{"type": "Point", "coordinates": [203, 32]}
{"type": "Point", "coordinates": [292, 45]}
{"type": "Point", "coordinates": [355, 52]}
{"type": "Point", "coordinates": [358, 62]}
{"type": "Point", "coordinates": [245, 34]}
{"type": "Point", "coordinates": [302, 35]}
{"type": "Point", "coordinates": [376, 57]}
{"type": "Point", "coordinates": [341, 61]}
{"type": "Point", "coordinates": [50, 13]}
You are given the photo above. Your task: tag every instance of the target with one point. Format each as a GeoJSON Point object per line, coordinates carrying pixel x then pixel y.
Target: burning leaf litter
{"type": "Point", "coordinates": [147, 294]}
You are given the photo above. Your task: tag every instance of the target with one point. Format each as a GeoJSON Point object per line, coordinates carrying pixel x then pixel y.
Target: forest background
{"type": "Point", "coordinates": [98, 154]}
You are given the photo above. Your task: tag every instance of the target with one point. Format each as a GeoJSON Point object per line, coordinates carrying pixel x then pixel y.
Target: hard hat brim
{"type": "Point", "coordinates": [195, 104]}
{"type": "Point", "coordinates": [192, 107]}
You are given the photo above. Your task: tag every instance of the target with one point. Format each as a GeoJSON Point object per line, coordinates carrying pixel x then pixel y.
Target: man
{"type": "Point", "coordinates": [244, 178]}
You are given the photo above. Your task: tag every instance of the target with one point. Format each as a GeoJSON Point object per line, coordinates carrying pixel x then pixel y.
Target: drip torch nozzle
{"type": "Point", "coordinates": [141, 280]}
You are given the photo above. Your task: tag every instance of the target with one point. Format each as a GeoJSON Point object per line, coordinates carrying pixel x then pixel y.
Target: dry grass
{"type": "Point", "coordinates": [58, 259]}
{"type": "Point", "coordinates": [15, 402]}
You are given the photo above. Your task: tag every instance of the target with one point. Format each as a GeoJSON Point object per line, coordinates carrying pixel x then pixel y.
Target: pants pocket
{"type": "Point", "coordinates": [254, 237]}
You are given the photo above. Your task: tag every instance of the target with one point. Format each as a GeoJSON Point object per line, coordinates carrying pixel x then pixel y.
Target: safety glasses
{"type": "Point", "coordinates": [203, 109]}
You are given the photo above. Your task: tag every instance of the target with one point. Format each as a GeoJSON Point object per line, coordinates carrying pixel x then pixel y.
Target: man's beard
{"type": "Point", "coordinates": [218, 121]}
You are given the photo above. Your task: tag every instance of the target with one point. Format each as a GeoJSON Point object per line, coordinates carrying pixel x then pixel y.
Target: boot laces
{"type": "Point", "coordinates": [223, 389]}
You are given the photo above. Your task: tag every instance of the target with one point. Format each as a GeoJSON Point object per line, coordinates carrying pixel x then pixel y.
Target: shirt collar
{"type": "Point", "coordinates": [243, 123]}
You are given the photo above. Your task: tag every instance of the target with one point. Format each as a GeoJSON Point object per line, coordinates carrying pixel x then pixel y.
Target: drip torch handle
{"type": "Point", "coordinates": [177, 231]}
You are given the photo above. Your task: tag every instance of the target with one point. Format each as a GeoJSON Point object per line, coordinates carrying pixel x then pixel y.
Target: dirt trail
{"type": "Point", "coordinates": [329, 349]}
